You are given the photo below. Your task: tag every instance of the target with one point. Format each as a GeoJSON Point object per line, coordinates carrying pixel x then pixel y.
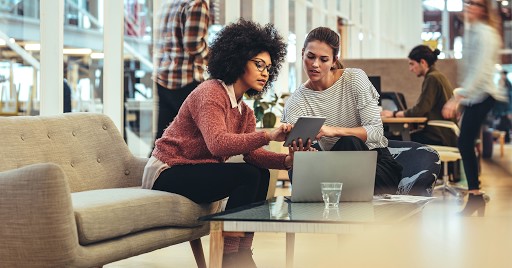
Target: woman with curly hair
{"type": "Point", "coordinates": [214, 124]}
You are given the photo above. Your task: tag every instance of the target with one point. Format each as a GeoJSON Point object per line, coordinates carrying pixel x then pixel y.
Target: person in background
{"type": "Point", "coordinates": [478, 93]}
{"type": "Point", "coordinates": [181, 55]}
{"type": "Point", "coordinates": [502, 110]}
{"type": "Point", "coordinates": [67, 97]}
{"type": "Point", "coordinates": [348, 101]}
{"type": "Point", "coordinates": [214, 124]}
{"type": "Point", "coordinates": [436, 90]}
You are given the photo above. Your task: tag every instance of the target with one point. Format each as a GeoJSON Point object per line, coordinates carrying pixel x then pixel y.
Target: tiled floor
{"type": "Point", "coordinates": [438, 237]}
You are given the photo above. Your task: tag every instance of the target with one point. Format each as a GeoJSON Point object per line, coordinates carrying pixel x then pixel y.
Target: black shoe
{"type": "Point", "coordinates": [245, 257]}
{"type": "Point", "coordinates": [476, 203]}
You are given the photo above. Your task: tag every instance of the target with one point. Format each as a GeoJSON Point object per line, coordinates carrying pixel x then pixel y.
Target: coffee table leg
{"type": "Point", "coordinates": [216, 244]}
{"type": "Point", "coordinates": [290, 245]}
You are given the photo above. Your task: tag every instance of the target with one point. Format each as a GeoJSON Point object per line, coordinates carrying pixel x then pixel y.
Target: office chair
{"type": "Point", "coordinates": [447, 154]}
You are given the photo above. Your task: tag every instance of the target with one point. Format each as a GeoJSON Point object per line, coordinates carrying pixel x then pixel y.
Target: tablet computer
{"type": "Point", "coordinates": [306, 127]}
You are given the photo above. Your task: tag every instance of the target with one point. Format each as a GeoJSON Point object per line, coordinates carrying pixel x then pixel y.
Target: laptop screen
{"type": "Point", "coordinates": [375, 80]}
{"type": "Point", "coordinates": [355, 169]}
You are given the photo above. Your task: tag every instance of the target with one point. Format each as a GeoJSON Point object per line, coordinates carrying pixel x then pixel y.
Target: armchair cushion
{"type": "Point", "coordinates": [109, 213]}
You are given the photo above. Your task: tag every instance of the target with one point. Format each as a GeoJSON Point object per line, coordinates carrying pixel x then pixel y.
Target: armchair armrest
{"type": "Point", "coordinates": [36, 216]}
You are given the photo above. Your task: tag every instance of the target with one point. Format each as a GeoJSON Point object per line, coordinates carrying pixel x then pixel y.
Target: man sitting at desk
{"type": "Point", "coordinates": [436, 90]}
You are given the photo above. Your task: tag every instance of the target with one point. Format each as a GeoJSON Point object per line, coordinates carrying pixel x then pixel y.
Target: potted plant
{"type": "Point", "coordinates": [263, 110]}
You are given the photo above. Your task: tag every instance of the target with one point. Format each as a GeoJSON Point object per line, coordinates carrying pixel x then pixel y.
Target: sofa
{"type": "Point", "coordinates": [70, 196]}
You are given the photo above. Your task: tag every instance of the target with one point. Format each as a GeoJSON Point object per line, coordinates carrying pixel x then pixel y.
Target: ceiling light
{"type": "Point", "coordinates": [77, 51]}
{"type": "Point", "coordinates": [32, 47]}
{"type": "Point", "coordinates": [97, 55]}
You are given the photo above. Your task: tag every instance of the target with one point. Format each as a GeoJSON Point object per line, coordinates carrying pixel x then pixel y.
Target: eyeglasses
{"type": "Point", "coordinates": [474, 3]}
{"type": "Point", "coordinates": [260, 65]}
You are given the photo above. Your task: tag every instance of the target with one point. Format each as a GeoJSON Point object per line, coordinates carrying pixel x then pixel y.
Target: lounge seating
{"type": "Point", "coordinates": [70, 196]}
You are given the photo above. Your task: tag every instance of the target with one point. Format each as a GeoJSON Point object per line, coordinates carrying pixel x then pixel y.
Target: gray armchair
{"type": "Point", "coordinates": [70, 196]}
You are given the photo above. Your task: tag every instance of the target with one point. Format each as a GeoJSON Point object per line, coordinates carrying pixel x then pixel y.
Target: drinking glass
{"type": "Point", "coordinates": [331, 192]}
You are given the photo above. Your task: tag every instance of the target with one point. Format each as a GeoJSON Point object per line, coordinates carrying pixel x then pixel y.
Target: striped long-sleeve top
{"type": "Point", "coordinates": [350, 102]}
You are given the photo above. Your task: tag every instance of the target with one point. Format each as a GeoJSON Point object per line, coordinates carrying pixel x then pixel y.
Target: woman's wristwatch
{"type": "Point", "coordinates": [394, 113]}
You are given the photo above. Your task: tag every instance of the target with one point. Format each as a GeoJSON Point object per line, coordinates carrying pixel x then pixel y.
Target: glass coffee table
{"type": "Point", "coordinates": [280, 215]}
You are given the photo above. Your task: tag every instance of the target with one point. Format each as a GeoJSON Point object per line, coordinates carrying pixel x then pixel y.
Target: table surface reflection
{"type": "Point", "coordinates": [279, 209]}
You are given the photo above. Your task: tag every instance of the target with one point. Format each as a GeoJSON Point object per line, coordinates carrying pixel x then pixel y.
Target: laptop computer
{"type": "Point", "coordinates": [355, 169]}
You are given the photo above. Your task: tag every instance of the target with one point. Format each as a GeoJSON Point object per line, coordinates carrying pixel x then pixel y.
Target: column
{"type": "Point", "coordinates": [113, 91]}
{"type": "Point", "coordinates": [445, 22]}
{"type": "Point", "coordinates": [300, 33]}
{"type": "Point", "coordinates": [156, 20]}
{"type": "Point", "coordinates": [261, 11]}
{"type": "Point", "coordinates": [281, 19]}
{"type": "Point", "coordinates": [332, 15]}
{"type": "Point", "coordinates": [232, 11]}
{"type": "Point", "coordinates": [52, 36]}
{"type": "Point", "coordinates": [318, 14]}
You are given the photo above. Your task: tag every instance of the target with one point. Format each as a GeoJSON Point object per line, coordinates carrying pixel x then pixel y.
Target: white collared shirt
{"type": "Point", "coordinates": [231, 93]}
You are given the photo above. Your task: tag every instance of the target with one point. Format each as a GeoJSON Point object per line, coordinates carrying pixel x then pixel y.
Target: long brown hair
{"type": "Point", "coordinates": [491, 16]}
{"type": "Point", "coordinates": [328, 36]}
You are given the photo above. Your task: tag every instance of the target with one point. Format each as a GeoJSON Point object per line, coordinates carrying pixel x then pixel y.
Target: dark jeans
{"type": "Point", "coordinates": [388, 173]}
{"type": "Point", "coordinates": [470, 128]}
{"type": "Point", "coordinates": [169, 103]}
{"type": "Point", "coordinates": [205, 183]}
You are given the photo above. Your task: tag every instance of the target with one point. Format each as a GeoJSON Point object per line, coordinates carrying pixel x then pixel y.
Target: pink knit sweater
{"type": "Point", "coordinates": [208, 130]}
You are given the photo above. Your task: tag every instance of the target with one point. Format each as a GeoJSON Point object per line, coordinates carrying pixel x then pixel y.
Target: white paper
{"type": "Point", "coordinates": [402, 198]}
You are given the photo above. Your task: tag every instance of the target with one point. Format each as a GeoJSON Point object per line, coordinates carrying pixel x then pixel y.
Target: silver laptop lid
{"type": "Point", "coordinates": [356, 169]}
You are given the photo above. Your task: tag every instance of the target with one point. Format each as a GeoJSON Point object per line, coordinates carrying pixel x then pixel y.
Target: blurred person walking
{"type": "Point", "coordinates": [478, 92]}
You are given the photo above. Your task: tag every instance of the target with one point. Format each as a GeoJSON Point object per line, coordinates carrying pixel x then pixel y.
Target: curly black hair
{"type": "Point", "coordinates": [239, 42]}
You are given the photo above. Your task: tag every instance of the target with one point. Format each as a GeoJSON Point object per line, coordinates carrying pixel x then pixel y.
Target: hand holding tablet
{"type": "Point", "coordinates": [306, 127]}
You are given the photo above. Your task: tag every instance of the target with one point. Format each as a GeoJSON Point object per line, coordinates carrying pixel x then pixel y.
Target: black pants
{"type": "Point", "coordinates": [388, 173]}
{"type": "Point", "coordinates": [470, 128]}
{"type": "Point", "coordinates": [169, 103]}
{"type": "Point", "coordinates": [205, 183]}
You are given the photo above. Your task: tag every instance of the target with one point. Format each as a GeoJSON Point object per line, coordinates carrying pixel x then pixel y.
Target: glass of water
{"type": "Point", "coordinates": [331, 192]}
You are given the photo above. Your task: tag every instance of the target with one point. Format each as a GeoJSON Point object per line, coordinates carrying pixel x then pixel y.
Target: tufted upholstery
{"type": "Point", "coordinates": [70, 196]}
{"type": "Point", "coordinates": [82, 144]}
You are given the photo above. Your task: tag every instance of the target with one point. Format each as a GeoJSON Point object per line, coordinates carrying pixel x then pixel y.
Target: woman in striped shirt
{"type": "Point", "coordinates": [348, 101]}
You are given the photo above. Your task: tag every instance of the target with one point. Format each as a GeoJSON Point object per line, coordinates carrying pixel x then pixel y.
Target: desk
{"type": "Point", "coordinates": [403, 125]}
{"type": "Point", "coordinates": [278, 215]}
